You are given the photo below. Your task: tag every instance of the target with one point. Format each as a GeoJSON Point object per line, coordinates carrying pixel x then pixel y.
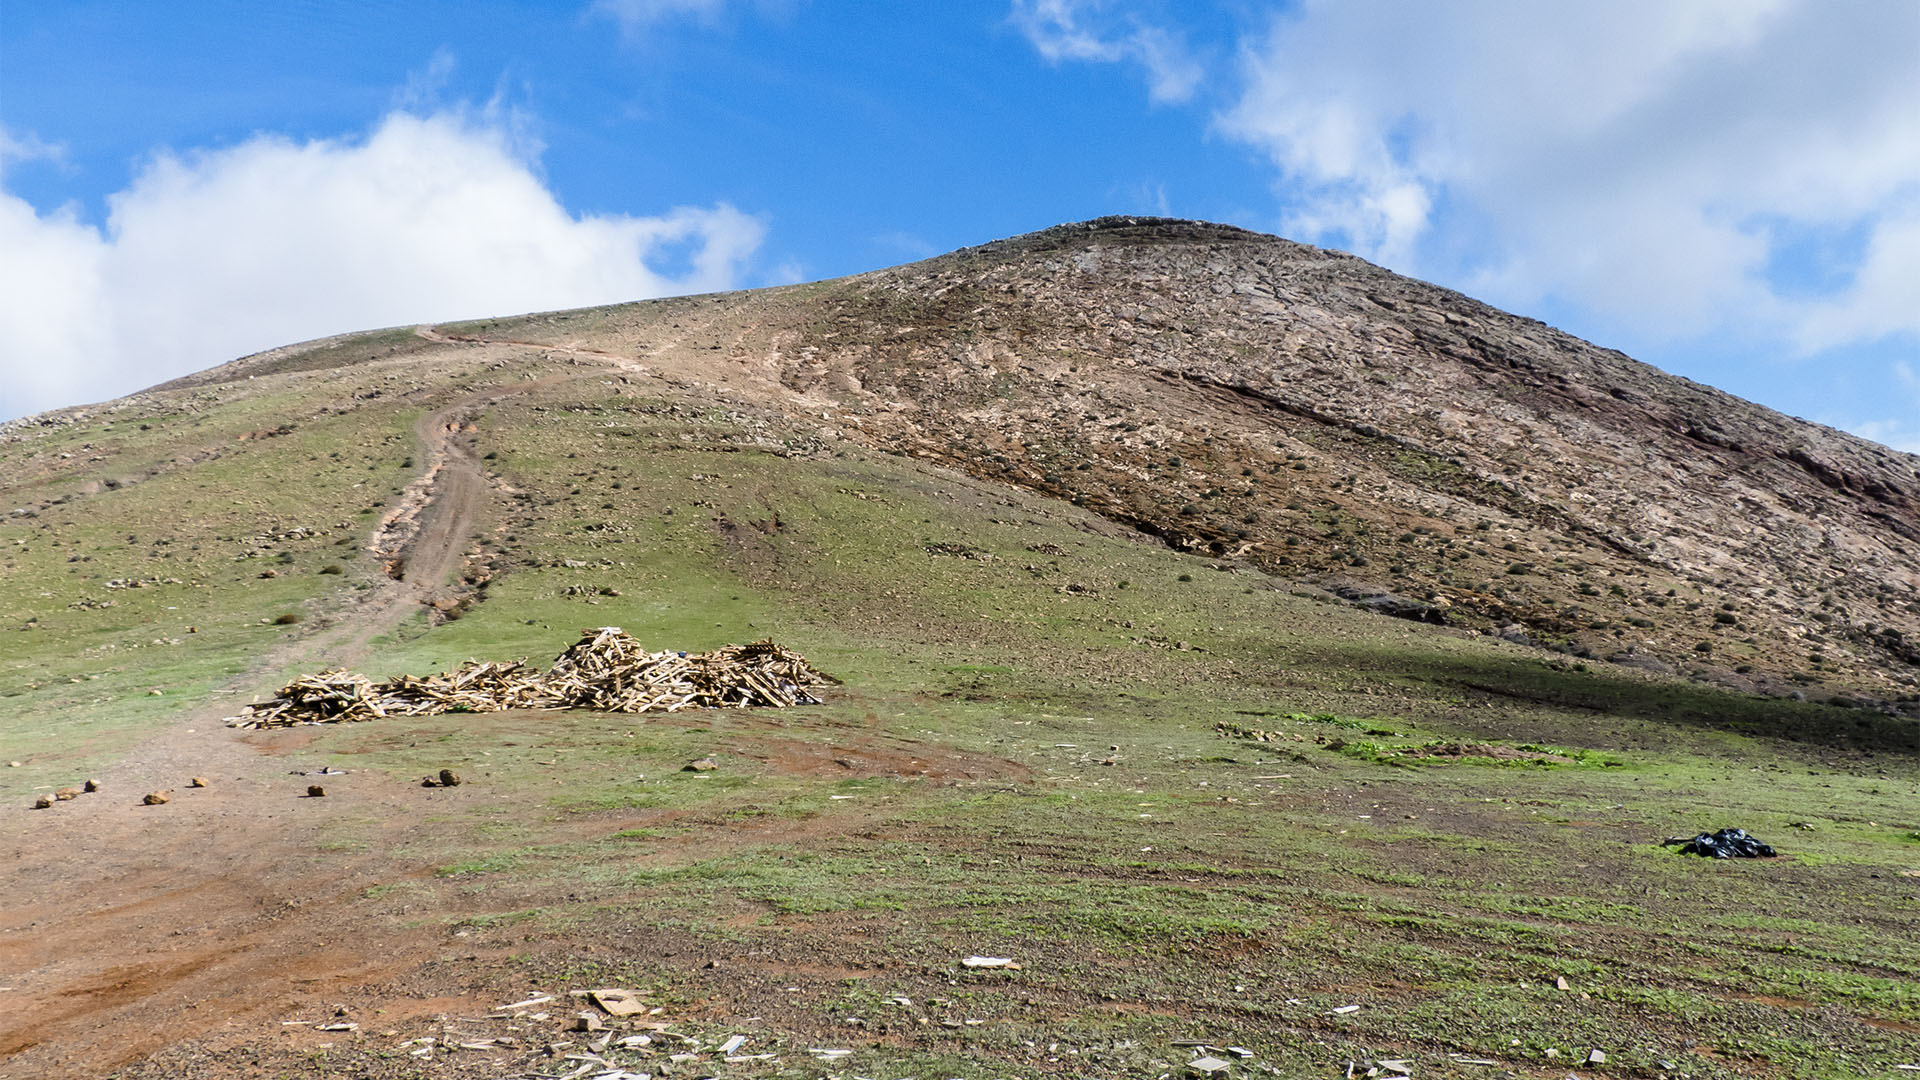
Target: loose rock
{"type": "Point", "coordinates": [43, 802]}
{"type": "Point", "coordinates": [155, 798]}
{"type": "Point", "coordinates": [198, 781]}
{"type": "Point", "coordinates": [315, 791]}
{"type": "Point", "coordinates": [449, 778]}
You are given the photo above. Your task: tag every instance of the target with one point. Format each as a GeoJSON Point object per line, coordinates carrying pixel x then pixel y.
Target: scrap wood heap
{"type": "Point", "coordinates": [333, 694]}
{"type": "Point", "coordinates": [476, 686]}
{"type": "Point", "coordinates": [606, 670]}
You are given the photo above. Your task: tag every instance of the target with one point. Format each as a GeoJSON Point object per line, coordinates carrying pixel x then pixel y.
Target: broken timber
{"type": "Point", "coordinates": [606, 670]}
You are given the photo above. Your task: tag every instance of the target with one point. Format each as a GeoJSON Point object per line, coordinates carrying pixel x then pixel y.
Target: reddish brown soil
{"type": "Point", "coordinates": [131, 927]}
{"type": "Point", "coordinates": [137, 926]}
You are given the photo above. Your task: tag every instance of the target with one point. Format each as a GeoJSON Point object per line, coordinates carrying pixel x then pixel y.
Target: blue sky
{"type": "Point", "coordinates": [1730, 190]}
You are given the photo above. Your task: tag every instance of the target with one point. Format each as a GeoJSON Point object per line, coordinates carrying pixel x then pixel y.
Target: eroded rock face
{"type": "Point", "coordinates": [1321, 417]}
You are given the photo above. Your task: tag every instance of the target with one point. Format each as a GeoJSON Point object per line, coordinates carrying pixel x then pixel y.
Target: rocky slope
{"type": "Point", "coordinates": [1333, 422]}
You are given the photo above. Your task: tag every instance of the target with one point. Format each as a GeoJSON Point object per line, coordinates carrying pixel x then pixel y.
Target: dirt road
{"type": "Point", "coordinates": [130, 926]}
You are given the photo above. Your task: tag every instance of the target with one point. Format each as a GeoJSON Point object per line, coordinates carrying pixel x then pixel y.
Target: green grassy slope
{"type": "Point", "coordinates": [1191, 803]}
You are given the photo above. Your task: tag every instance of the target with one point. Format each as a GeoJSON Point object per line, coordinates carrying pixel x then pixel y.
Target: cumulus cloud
{"type": "Point", "coordinates": [1643, 160]}
{"type": "Point", "coordinates": [1088, 30]}
{"type": "Point", "coordinates": [1903, 434]}
{"type": "Point", "coordinates": [210, 255]}
{"type": "Point", "coordinates": [1658, 167]}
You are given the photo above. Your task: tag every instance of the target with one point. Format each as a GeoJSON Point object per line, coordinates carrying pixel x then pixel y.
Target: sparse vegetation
{"type": "Point", "coordinates": [1026, 759]}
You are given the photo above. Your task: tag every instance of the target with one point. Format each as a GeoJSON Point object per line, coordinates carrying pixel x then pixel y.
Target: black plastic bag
{"type": "Point", "coordinates": [1728, 844]}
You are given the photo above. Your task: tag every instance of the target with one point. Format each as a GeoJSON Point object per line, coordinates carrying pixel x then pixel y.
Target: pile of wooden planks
{"type": "Point", "coordinates": [606, 670]}
{"type": "Point", "coordinates": [476, 686]}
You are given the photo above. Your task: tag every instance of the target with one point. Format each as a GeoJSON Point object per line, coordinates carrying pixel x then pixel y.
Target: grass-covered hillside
{"type": "Point", "coordinates": [1209, 809]}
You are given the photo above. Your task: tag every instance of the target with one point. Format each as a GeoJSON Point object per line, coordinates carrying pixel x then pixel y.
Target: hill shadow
{"type": "Point", "coordinates": [1672, 702]}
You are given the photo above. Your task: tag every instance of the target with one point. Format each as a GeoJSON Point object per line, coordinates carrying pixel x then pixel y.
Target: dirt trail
{"type": "Point", "coordinates": [133, 926]}
{"type": "Point", "coordinates": [434, 334]}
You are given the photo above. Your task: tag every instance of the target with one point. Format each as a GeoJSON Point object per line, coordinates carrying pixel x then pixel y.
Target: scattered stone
{"type": "Point", "coordinates": [705, 764]}
{"type": "Point", "coordinates": [1208, 1066]}
{"type": "Point", "coordinates": [155, 798]}
{"type": "Point", "coordinates": [315, 791]}
{"type": "Point", "coordinates": [449, 778]}
{"type": "Point", "coordinates": [66, 794]}
{"type": "Point", "coordinates": [1387, 603]}
{"type": "Point", "coordinates": [1596, 1057]}
{"type": "Point", "coordinates": [1561, 983]}
{"type": "Point", "coordinates": [588, 1022]}
{"type": "Point", "coordinates": [13, 764]}
{"type": "Point", "coordinates": [733, 1043]}
{"type": "Point", "coordinates": [1395, 1066]}
{"type": "Point", "coordinates": [198, 781]}
{"type": "Point", "coordinates": [43, 802]}
{"type": "Point", "coordinates": [1515, 633]}
{"type": "Point", "coordinates": [91, 785]}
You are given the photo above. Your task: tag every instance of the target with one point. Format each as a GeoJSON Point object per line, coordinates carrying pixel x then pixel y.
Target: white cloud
{"type": "Point", "coordinates": [1647, 164]}
{"type": "Point", "coordinates": [215, 254]}
{"type": "Point", "coordinates": [1899, 434]}
{"type": "Point", "coordinates": [635, 16]}
{"type": "Point", "coordinates": [1084, 30]}
{"type": "Point", "coordinates": [1639, 160]}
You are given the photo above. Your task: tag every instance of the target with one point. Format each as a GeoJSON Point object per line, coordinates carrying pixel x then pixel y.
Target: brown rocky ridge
{"type": "Point", "coordinates": [1397, 443]}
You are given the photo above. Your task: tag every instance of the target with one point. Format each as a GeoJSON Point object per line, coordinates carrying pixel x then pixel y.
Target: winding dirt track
{"type": "Point", "coordinates": [130, 927]}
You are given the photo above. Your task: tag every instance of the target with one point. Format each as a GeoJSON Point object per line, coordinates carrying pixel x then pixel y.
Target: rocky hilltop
{"type": "Point", "coordinates": [1399, 443]}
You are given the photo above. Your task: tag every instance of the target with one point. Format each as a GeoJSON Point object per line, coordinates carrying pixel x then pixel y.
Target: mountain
{"type": "Point", "coordinates": [1256, 647]}
{"type": "Point", "coordinates": [1332, 424]}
